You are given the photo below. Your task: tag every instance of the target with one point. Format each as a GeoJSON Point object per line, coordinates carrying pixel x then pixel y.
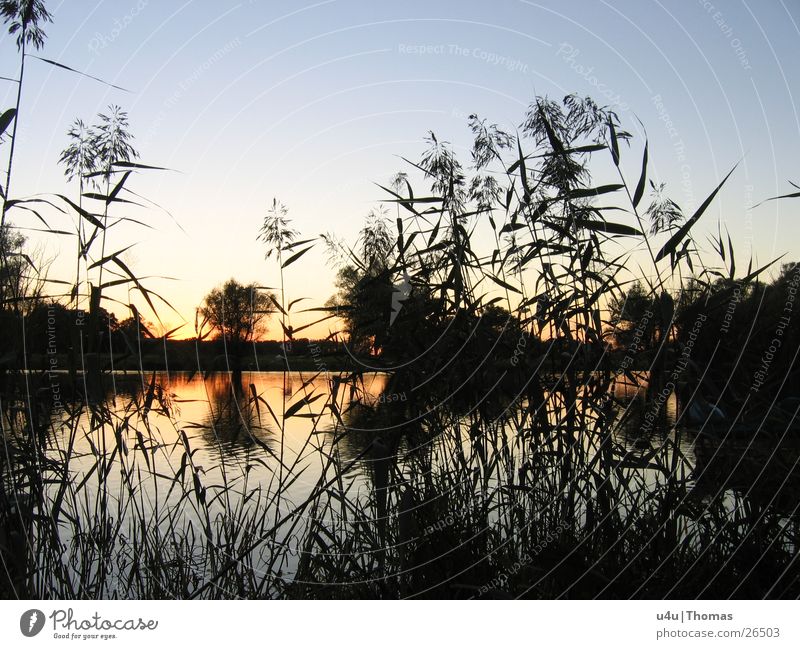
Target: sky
{"type": "Point", "coordinates": [314, 103]}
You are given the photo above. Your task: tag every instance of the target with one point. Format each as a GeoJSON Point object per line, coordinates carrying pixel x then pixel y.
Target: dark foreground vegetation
{"type": "Point", "coordinates": [550, 425]}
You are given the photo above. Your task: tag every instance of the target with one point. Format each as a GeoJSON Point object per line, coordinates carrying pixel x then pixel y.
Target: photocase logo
{"type": "Point", "coordinates": [31, 622]}
{"type": "Point", "coordinates": [400, 293]}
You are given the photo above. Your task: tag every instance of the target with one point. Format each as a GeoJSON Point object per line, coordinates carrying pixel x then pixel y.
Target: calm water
{"type": "Point", "coordinates": [240, 448]}
{"type": "Point", "coordinates": [237, 440]}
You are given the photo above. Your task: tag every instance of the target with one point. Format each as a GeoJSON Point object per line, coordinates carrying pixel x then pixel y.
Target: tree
{"type": "Point", "coordinates": [237, 312]}
{"type": "Point", "coordinates": [365, 286]}
{"type": "Point", "coordinates": [129, 333]}
{"type": "Point", "coordinates": [631, 314]}
{"type": "Point", "coordinates": [12, 271]}
{"type": "Point", "coordinates": [364, 301]}
{"type": "Point", "coordinates": [730, 326]}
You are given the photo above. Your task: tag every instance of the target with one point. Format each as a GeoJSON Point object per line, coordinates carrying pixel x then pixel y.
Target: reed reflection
{"type": "Point", "coordinates": [233, 426]}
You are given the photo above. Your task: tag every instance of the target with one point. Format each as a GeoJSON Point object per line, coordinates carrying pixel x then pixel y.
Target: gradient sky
{"type": "Point", "coordinates": [314, 102]}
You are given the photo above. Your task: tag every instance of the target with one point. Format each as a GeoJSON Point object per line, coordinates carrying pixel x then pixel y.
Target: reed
{"type": "Point", "coordinates": [520, 447]}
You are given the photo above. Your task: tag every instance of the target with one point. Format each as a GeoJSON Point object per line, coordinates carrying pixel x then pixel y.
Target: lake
{"type": "Point", "coordinates": [293, 484]}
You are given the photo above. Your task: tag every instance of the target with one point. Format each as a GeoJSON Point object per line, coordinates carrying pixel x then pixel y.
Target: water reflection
{"type": "Point", "coordinates": [396, 436]}
{"type": "Point", "coordinates": [422, 491]}
{"type": "Point", "coordinates": [233, 424]}
{"type": "Point", "coordinates": [765, 473]}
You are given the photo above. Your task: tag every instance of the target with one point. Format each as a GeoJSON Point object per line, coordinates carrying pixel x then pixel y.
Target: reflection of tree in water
{"type": "Point", "coordinates": [233, 425]}
{"type": "Point", "coordinates": [150, 391]}
{"type": "Point", "coordinates": [632, 409]}
{"type": "Point", "coordinates": [409, 497]}
{"type": "Point", "coordinates": [382, 432]}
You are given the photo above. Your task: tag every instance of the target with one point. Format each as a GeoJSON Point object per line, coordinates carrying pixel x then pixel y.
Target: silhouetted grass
{"type": "Point", "coordinates": [499, 459]}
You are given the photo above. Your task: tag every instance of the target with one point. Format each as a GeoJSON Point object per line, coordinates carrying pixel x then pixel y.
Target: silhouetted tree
{"type": "Point", "coordinates": [237, 312]}
{"type": "Point", "coordinates": [365, 283]}
{"type": "Point", "coordinates": [631, 315]}
{"type": "Point", "coordinates": [12, 270]}
{"type": "Point", "coordinates": [730, 327]}
{"type": "Point", "coordinates": [22, 282]}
